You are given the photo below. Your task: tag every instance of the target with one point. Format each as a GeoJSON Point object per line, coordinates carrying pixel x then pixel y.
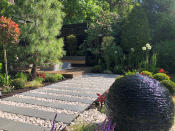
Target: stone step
{"type": "Point", "coordinates": [83, 94]}
{"type": "Point", "coordinates": [47, 104]}
{"type": "Point", "coordinates": [10, 125]}
{"type": "Point", "coordinates": [65, 118]}
{"type": "Point", "coordinates": [63, 98]}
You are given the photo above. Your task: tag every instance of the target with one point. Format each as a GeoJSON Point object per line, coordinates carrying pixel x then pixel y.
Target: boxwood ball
{"type": "Point", "coordinates": [140, 103]}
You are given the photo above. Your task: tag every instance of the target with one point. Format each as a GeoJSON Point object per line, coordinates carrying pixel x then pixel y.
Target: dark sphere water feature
{"type": "Point", "coordinates": [139, 103]}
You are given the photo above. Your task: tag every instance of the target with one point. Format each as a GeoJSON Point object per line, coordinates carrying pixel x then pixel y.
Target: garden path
{"type": "Point", "coordinates": [34, 110]}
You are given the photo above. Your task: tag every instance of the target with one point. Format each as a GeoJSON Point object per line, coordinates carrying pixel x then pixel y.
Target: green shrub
{"type": "Point", "coordinates": [18, 83]}
{"type": "Point", "coordinates": [166, 56]}
{"type": "Point", "coordinates": [161, 76]}
{"type": "Point", "coordinates": [83, 127]}
{"type": "Point", "coordinates": [130, 73]}
{"type": "Point", "coordinates": [108, 72]}
{"type": "Point", "coordinates": [97, 69]}
{"type": "Point", "coordinates": [33, 84]}
{"type": "Point", "coordinates": [147, 73]}
{"type": "Point", "coordinates": [72, 44]}
{"type": "Point", "coordinates": [3, 79]}
{"type": "Point", "coordinates": [136, 30]}
{"type": "Point", "coordinates": [7, 90]}
{"type": "Point", "coordinates": [22, 76]}
{"type": "Point", "coordinates": [170, 85]}
{"type": "Point", "coordinates": [40, 79]}
{"type": "Point", "coordinates": [118, 69]}
{"type": "Point", "coordinates": [53, 77]}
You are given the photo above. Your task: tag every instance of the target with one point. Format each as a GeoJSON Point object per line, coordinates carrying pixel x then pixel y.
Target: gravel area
{"type": "Point", "coordinates": [91, 116]}
{"type": "Point", "coordinates": [29, 120]}
{"type": "Point", "coordinates": [72, 91]}
{"type": "Point", "coordinates": [51, 100]}
{"type": "Point", "coordinates": [42, 108]}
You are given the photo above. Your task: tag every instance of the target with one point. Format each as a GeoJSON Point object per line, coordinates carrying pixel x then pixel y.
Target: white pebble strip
{"type": "Point", "coordinates": [54, 94]}
{"type": "Point", "coordinates": [82, 87]}
{"type": "Point", "coordinates": [64, 90]}
{"type": "Point", "coordinates": [42, 108]}
{"type": "Point", "coordinates": [29, 120]}
{"type": "Point", "coordinates": [50, 100]}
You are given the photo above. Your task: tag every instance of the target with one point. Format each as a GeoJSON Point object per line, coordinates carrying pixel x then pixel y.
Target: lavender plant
{"type": "Point", "coordinates": [106, 126]}
{"type": "Point", "coordinates": [54, 127]}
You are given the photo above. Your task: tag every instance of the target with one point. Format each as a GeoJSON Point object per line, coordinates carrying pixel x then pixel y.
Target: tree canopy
{"type": "Point", "coordinates": [41, 24]}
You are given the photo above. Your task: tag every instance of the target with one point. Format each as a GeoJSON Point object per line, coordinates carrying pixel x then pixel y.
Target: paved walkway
{"type": "Point", "coordinates": [34, 110]}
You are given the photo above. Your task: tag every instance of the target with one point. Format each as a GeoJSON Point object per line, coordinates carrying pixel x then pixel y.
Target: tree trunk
{"type": "Point", "coordinates": [34, 70]}
{"type": "Point", "coordinates": [5, 64]}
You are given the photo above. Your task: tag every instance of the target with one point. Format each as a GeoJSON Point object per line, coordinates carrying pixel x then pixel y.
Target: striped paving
{"type": "Point", "coordinates": [67, 98]}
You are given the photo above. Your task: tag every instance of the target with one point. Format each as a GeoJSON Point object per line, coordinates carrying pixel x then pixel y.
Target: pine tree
{"type": "Point", "coordinates": [135, 32]}
{"type": "Point", "coordinates": [42, 22]}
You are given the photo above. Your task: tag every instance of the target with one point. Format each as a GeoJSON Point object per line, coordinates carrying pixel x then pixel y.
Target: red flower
{"type": "Point", "coordinates": [143, 73]}
{"type": "Point", "coordinates": [162, 71]}
{"type": "Point", "coordinates": [101, 98]}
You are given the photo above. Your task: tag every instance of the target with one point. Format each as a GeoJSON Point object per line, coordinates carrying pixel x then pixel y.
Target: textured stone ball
{"type": "Point", "coordinates": [139, 103]}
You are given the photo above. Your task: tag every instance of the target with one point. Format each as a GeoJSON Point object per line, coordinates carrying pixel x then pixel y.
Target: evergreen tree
{"type": "Point", "coordinates": [161, 16]}
{"type": "Point", "coordinates": [41, 24]}
{"type": "Point", "coordinates": [135, 32]}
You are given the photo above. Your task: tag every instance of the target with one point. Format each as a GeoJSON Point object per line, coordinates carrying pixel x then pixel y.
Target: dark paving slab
{"type": "Point", "coordinates": [65, 118]}
{"type": "Point", "coordinates": [10, 125]}
{"type": "Point", "coordinates": [47, 104]}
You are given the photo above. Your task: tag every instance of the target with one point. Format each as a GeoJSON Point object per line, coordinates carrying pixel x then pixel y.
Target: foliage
{"type": "Point", "coordinates": [41, 26]}
{"type": "Point", "coordinates": [136, 30]}
{"type": "Point", "coordinates": [22, 76]}
{"type": "Point", "coordinates": [80, 11]}
{"type": "Point", "coordinates": [154, 62]}
{"type": "Point", "coordinates": [166, 55]}
{"type": "Point", "coordinates": [111, 53]}
{"type": "Point", "coordinates": [107, 71]}
{"type": "Point", "coordinates": [170, 85]}
{"type": "Point", "coordinates": [161, 17]}
{"type": "Point", "coordinates": [5, 8]}
{"type": "Point", "coordinates": [72, 45]}
{"type": "Point", "coordinates": [118, 77]}
{"type": "Point", "coordinates": [118, 69]}
{"type": "Point", "coordinates": [147, 73]}
{"type": "Point", "coordinates": [9, 31]}
{"type": "Point", "coordinates": [83, 127]}
{"type": "Point", "coordinates": [1, 67]}
{"type": "Point", "coordinates": [97, 69]}
{"type": "Point", "coordinates": [41, 75]}
{"type": "Point", "coordinates": [3, 79]}
{"type": "Point", "coordinates": [18, 83]}
{"type": "Point", "coordinates": [131, 73]}
{"type": "Point", "coordinates": [53, 77]}
{"type": "Point", "coordinates": [7, 90]}
{"type": "Point", "coordinates": [33, 84]}
{"type": "Point", "coordinates": [103, 26]}
{"type": "Point", "coordinates": [161, 76]}
{"type": "Point", "coordinates": [40, 79]}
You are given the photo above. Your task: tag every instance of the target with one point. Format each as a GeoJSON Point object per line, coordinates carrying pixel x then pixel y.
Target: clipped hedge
{"type": "Point", "coordinates": [147, 73]}
{"type": "Point", "coordinates": [170, 85]}
{"type": "Point", "coordinates": [161, 76]}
